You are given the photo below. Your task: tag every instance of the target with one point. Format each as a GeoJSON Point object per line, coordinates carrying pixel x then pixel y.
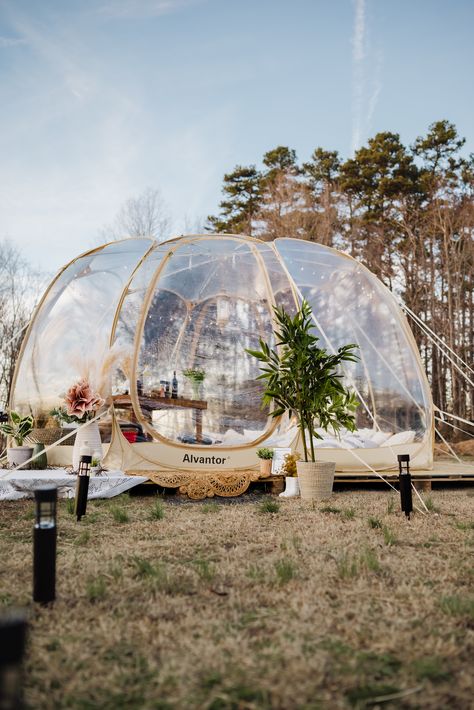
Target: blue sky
{"type": "Point", "coordinates": [102, 98]}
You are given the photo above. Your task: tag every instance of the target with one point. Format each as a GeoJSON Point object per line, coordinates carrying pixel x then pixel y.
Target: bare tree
{"type": "Point", "coordinates": [287, 209]}
{"type": "Point", "coordinates": [19, 290]}
{"type": "Point", "coordinates": [146, 215]}
{"type": "Point", "coordinates": [193, 225]}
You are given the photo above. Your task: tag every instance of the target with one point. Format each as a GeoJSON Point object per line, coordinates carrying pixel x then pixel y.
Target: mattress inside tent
{"type": "Point", "coordinates": [359, 439]}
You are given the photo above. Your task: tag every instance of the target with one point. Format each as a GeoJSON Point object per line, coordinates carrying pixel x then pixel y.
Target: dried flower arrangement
{"type": "Point", "coordinates": [289, 465]}
{"type": "Point", "coordinates": [81, 404]}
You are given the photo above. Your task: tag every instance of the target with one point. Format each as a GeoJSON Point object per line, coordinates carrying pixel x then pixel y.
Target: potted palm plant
{"type": "Point", "coordinates": [304, 379]}
{"type": "Point", "coordinates": [18, 428]}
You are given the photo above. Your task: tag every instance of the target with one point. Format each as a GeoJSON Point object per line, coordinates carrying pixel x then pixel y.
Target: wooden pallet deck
{"type": "Point", "coordinates": [442, 472]}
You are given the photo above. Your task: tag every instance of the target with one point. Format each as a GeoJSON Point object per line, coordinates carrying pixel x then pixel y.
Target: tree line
{"type": "Point", "coordinates": [406, 212]}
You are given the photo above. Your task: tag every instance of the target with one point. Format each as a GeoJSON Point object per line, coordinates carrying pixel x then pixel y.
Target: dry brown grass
{"type": "Point", "coordinates": [232, 606]}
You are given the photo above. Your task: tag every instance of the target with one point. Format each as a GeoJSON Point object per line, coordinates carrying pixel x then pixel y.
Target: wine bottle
{"type": "Point", "coordinates": [174, 386]}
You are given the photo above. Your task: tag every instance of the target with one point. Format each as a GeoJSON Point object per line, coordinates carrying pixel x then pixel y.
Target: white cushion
{"type": "Point", "coordinates": [403, 437]}
{"type": "Point", "coordinates": [348, 441]}
{"type": "Point", "coordinates": [356, 441]}
{"type": "Point", "coordinates": [231, 436]}
{"type": "Point", "coordinates": [366, 433]}
{"type": "Point", "coordinates": [327, 444]}
{"type": "Point", "coordinates": [380, 437]}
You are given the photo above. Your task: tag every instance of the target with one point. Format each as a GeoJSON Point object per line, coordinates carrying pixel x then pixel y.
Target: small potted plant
{"type": "Point", "coordinates": [292, 487]}
{"type": "Point", "coordinates": [304, 380]}
{"type": "Point", "coordinates": [196, 378]}
{"type": "Point", "coordinates": [18, 428]}
{"type": "Point", "coordinates": [266, 457]}
{"type": "Point", "coordinates": [96, 464]}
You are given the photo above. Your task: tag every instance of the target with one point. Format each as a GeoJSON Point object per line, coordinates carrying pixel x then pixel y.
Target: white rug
{"type": "Point", "coordinates": [22, 484]}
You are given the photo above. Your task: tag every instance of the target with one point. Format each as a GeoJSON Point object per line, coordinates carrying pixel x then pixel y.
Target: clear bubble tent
{"type": "Point", "coordinates": [132, 314]}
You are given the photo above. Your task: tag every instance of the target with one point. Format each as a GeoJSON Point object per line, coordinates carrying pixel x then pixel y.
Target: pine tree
{"type": "Point", "coordinates": [279, 160]}
{"type": "Point", "coordinates": [242, 194]}
{"type": "Point", "coordinates": [322, 169]}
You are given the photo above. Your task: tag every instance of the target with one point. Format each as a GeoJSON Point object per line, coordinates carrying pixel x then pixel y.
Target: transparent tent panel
{"type": "Point", "coordinates": [69, 337]}
{"type": "Point", "coordinates": [199, 309]}
{"type": "Point", "coordinates": [350, 305]}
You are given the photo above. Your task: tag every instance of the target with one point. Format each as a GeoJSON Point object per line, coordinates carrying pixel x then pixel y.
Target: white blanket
{"type": "Point", "coordinates": [22, 484]}
{"type": "Point", "coordinates": [363, 439]}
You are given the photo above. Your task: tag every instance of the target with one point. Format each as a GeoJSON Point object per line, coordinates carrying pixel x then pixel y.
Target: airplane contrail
{"type": "Point", "coordinates": [358, 78]}
{"type": "Point", "coordinates": [358, 55]}
{"type": "Point", "coordinates": [366, 77]}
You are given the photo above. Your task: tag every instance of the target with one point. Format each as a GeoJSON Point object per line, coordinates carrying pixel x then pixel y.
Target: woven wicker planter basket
{"type": "Point", "coordinates": [45, 436]}
{"type": "Point", "coordinates": [316, 479]}
{"type": "Point", "coordinates": [49, 435]}
{"type": "Point", "coordinates": [71, 440]}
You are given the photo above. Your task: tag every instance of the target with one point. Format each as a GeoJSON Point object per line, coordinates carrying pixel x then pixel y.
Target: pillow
{"type": "Point", "coordinates": [250, 434]}
{"type": "Point", "coordinates": [355, 441]}
{"type": "Point", "coordinates": [380, 437]}
{"type": "Point", "coordinates": [231, 436]}
{"type": "Point", "coordinates": [327, 444]}
{"type": "Point", "coordinates": [403, 437]}
{"type": "Point", "coordinates": [366, 433]}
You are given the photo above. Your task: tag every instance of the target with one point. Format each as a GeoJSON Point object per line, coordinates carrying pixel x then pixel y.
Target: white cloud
{"type": "Point", "coordinates": [11, 41]}
{"type": "Point", "coordinates": [142, 8]}
{"type": "Point", "coordinates": [63, 57]}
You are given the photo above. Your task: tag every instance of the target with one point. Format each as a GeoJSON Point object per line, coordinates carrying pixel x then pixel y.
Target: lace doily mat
{"type": "Point", "coordinates": [203, 484]}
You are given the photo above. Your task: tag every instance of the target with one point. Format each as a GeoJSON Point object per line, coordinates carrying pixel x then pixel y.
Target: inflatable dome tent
{"type": "Point", "coordinates": [130, 314]}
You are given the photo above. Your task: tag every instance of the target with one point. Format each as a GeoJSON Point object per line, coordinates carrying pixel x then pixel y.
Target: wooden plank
{"type": "Point", "coordinates": [274, 484]}
{"type": "Point", "coordinates": [156, 402]}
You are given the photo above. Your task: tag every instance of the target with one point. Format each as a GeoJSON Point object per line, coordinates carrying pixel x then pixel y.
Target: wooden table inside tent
{"type": "Point", "coordinates": [151, 402]}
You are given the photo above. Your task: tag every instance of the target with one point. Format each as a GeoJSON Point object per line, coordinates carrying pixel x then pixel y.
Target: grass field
{"type": "Point", "coordinates": [261, 604]}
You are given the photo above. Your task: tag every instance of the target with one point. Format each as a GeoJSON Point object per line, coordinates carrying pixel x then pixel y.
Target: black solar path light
{"type": "Point", "coordinates": [82, 485]}
{"type": "Point", "coordinates": [44, 545]}
{"type": "Point", "coordinates": [404, 478]}
{"type": "Point", "coordinates": [13, 628]}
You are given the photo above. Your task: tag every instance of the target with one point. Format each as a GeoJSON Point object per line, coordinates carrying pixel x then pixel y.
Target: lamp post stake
{"type": "Point", "coordinates": [82, 485]}
{"type": "Point", "coordinates": [13, 632]}
{"type": "Point", "coordinates": [404, 478]}
{"type": "Point", "coordinates": [44, 545]}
